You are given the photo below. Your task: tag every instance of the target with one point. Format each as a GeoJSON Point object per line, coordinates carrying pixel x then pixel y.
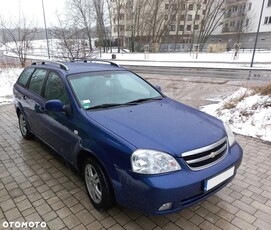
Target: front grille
{"type": "Point", "coordinates": [204, 157]}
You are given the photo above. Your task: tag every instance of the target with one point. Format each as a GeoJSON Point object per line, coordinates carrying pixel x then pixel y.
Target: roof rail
{"type": "Point", "coordinates": [43, 62]}
{"type": "Point", "coordinates": [96, 61]}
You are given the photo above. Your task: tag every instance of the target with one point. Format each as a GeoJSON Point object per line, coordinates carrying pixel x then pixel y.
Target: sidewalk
{"type": "Point", "coordinates": [211, 60]}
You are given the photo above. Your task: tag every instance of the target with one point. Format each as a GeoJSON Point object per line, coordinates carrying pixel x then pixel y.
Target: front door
{"type": "Point", "coordinates": [58, 130]}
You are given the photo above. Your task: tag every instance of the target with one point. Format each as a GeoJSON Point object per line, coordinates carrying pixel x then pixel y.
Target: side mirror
{"type": "Point", "coordinates": [158, 88]}
{"type": "Point", "coordinates": [54, 106]}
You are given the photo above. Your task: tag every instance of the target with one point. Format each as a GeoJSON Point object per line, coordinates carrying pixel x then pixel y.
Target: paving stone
{"type": "Point", "coordinates": [206, 225]}
{"type": "Point", "coordinates": [7, 205]}
{"type": "Point", "coordinates": [242, 224]}
{"type": "Point", "coordinates": [245, 216]}
{"type": "Point", "coordinates": [85, 217]}
{"type": "Point", "coordinates": [122, 218]}
{"type": "Point", "coordinates": [225, 225]}
{"type": "Point", "coordinates": [56, 224]}
{"type": "Point", "coordinates": [108, 222]}
{"type": "Point", "coordinates": [71, 221]}
{"type": "Point", "coordinates": [262, 224]}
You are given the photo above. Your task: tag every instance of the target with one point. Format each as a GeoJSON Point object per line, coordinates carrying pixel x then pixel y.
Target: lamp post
{"type": "Point", "coordinates": [46, 34]}
{"type": "Point", "coordinates": [257, 35]}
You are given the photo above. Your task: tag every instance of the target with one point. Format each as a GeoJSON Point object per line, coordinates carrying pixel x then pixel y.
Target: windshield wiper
{"type": "Point", "coordinates": [104, 106]}
{"type": "Point", "coordinates": [135, 102]}
{"type": "Point", "coordinates": [144, 99]}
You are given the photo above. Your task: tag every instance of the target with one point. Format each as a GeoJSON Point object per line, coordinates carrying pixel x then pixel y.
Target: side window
{"type": "Point", "coordinates": [25, 75]}
{"type": "Point", "coordinates": [54, 89]}
{"type": "Point", "coordinates": [36, 81]}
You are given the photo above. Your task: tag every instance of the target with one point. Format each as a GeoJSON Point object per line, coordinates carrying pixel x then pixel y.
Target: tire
{"type": "Point", "coordinates": [23, 127]}
{"type": "Point", "coordinates": [97, 185]}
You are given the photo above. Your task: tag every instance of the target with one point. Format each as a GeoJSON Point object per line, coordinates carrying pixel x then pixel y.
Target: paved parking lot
{"type": "Point", "coordinates": [38, 186]}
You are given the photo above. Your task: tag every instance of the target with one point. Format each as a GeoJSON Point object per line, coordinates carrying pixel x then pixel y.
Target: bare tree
{"type": "Point", "coordinates": [212, 19]}
{"type": "Point", "coordinates": [162, 19]}
{"type": "Point", "coordinates": [70, 43]}
{"type": "Point", "coordinates": [119, 6]}
{"type": "Point", "coordinates": [18, 36]}
{"type": "Point", "coordinates": [109, 14]}
{"type": "Point", "coordinates": [81, 12]}
{"type": "Point", "coordinates": [99, 6]}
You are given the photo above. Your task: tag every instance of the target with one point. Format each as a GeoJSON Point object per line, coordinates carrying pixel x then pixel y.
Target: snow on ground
{"type": "Point", "coordinates": [247, 113]}
{"type": "Point", "coordinates": [186, 59]}
{"type": "Point", "coordinates": [8, 77]}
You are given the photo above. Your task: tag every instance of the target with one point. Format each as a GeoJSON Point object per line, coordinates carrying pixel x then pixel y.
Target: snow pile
{"type": "Point", "coordinates": [8, 77]}
{"type": "Point", "coordinates": [246, 112]}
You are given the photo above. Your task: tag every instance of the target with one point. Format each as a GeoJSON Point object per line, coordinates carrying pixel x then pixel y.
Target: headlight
{"type": "Point", "coordinates": [146, 161]}
{"type": "Point", "coordinates": [230, 134]}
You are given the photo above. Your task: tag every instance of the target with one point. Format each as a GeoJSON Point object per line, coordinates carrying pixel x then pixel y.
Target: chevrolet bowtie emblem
{"type": "Point", "coordinates": [212, 155]}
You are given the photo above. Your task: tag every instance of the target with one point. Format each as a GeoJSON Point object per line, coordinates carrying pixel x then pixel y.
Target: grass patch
{"type": "Point", "coordinates": [232, 103]}
{"type": "Point", "coordinates": [264, 90]}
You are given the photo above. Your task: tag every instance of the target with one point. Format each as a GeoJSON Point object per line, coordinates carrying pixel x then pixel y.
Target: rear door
{"type": "Point", "coordinates": [33, 101]}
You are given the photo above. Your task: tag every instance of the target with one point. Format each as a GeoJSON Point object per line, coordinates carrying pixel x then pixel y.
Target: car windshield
{"type": "Point", "coordinates": [111, 88]}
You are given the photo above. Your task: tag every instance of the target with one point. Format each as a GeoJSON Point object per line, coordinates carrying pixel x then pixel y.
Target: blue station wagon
{"type": "Point", "coordinates": [134, 145]}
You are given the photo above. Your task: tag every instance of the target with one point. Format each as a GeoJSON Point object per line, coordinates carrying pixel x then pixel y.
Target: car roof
{"type": "Point", "coordinates": [81, 66]}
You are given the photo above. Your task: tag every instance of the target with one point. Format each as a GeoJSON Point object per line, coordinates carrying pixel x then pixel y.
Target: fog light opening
{"type": "Point", "coordinates": [165, 206]}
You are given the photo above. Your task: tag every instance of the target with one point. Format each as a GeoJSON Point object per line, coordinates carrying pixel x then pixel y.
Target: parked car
{"type": "Point", "coordinates": [133, 145]}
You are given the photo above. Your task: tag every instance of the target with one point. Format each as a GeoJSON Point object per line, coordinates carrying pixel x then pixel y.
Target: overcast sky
{"type": "Point", "coordinates": [31, 9]}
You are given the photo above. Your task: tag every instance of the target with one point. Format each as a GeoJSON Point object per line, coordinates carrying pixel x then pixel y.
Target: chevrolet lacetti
{"type": "Point", "coordinates": [133, 145]}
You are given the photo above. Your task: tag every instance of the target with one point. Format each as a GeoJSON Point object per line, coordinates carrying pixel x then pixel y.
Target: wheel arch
{"type": "Point", "coordinates": [83, 155]}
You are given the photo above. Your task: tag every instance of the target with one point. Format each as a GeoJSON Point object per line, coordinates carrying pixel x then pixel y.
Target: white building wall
{"type": "Point", "coordinates": [266, 13]}
{"type": "Point", "coordinates": [256, 11]}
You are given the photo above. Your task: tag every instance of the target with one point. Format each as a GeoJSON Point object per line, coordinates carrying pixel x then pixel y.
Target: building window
{"type": "Point", "coordinates": [172, 28]}
{"type": "Point", "coordinates": [121, 27]}
{"type": "Point", "coordinates": [247, 22]}
{"type": "Point", "coordinates": [196, 27]}
{"type": "Point", "coordinates": [173, 17]}
{"type": "Point", "coordinates": [182, 17]}
{"type": "Point", "coordinates": [181, 27]}
{"type": "Point", "coordinates": [189, 17]}
{"type": "Point", "coordinates": [188, 28]}
{"type": "Point", "coordinates": [197, 17]}
{"type": "Point", "coordinates": [121, 17]}
{"type": "Point", "coordinates": [191, 7]}
{"type": "Point", "coordinates": [269, 3]}
{"type": "Point", "coordinates": [232, 23]}
{"type": "Point", "coordinates": [166, 6]}
{"type": "Point", "coordinates": [267, 20]}
{"type": "Point", "coordinates": [182, 6]}
{"type": "Point", "coordinates": [250, 5]}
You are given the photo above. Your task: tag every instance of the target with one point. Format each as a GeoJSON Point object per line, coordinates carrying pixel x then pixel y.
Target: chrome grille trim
{"type": "Point", "coordinates": [208, 156]}
{"type": "Point", "coordinates": [202, 157]}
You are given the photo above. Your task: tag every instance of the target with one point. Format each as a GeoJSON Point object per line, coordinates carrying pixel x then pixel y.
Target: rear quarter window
{"type": "Point", "coordinates": [25, 75]}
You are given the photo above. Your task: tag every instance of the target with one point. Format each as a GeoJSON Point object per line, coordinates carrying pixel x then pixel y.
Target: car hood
{"type": "Point", "coordinates": [164, 125]}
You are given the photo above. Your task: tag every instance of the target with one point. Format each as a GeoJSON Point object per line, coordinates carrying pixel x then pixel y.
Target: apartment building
{"type": "Point", "coordinates": [157, 21]}
{"type": "Point", "coordinates": [180, 22]}
{"type": "Point", "coordinates": [240, 24]}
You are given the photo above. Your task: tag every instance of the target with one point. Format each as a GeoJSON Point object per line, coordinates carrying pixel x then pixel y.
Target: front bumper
{"type": "Point", "coordinates": [182, 188]}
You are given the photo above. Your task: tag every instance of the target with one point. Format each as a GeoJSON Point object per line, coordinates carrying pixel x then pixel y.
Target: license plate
{"type": "Point", "coordinates": [213, 182]}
